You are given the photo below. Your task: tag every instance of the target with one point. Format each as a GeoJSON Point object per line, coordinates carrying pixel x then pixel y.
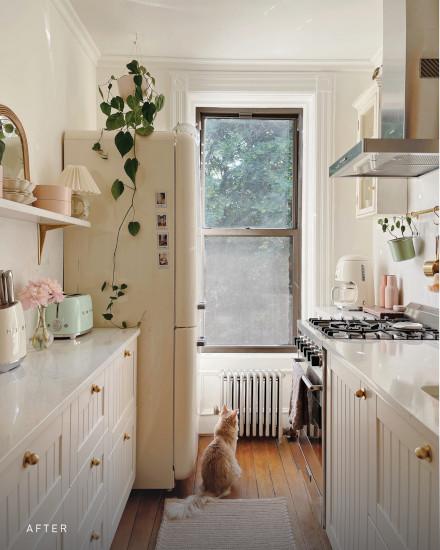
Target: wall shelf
{"type": "Point", "coordinates": [45, 219]}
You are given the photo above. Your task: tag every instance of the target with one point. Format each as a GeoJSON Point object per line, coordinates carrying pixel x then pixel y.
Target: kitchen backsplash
{"type": "Point", "coordinates": [422, 193]}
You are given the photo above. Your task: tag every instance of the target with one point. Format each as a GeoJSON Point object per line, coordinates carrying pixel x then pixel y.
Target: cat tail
{"type": "Point", "coordinates": [186, 508]}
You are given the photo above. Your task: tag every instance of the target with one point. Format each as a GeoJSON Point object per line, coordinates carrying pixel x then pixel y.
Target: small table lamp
{"type": "Point", "coordinates": [79, 179]}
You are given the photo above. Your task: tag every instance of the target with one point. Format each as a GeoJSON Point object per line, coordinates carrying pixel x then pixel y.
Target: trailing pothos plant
{"type": "Point", "coordinates": [133, 116]}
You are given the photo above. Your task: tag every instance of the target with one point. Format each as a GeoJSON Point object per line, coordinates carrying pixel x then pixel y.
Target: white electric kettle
{"type": "Point", "coordinates": [12, 325]}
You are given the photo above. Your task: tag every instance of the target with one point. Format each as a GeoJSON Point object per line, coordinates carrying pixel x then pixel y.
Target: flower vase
{"type": "Point", "coordinates": [42, 337]}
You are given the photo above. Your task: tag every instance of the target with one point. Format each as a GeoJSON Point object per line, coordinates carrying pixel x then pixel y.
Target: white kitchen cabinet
{"type": "Point", "coordinates": [403, 496]}
{"type": "Point", "coordinates": [381, 470]}
{"type": "Point", "coordinates": [376, 195]}
{"type": "Point", "coordinates": [80, 465]}
{"type": "Point", "coordinates": [346, 466]}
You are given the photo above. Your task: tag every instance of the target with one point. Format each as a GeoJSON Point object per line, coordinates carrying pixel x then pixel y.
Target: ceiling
{"type": "Point", "coordinates": [235, 29]}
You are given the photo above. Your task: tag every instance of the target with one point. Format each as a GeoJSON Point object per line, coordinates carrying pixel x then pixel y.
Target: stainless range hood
{"type": "Point", "coordinates": [408, 145]}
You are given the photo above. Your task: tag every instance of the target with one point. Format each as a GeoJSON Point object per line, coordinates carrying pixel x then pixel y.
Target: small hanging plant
{"type": "Point", "coordinates": [402, 230]}
{"type": "Point", "coordinates": [132, 112]}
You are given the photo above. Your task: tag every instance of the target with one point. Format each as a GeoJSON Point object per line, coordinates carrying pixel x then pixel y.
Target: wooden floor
{"type": "Point", "coordinates": [268, 469]}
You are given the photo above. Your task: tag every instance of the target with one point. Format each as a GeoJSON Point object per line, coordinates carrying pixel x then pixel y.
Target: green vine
{"type": "Point", "coordinates": [133, 117]}
{"type": "Point", "coordinates": [5, 128]}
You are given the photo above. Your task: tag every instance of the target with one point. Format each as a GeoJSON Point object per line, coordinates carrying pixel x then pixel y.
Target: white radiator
{"type": "Point", "coordinates": [257, 396]}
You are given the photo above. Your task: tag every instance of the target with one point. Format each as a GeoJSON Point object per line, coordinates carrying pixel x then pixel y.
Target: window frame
{"type": "Point", "coordinates": [294, 232]}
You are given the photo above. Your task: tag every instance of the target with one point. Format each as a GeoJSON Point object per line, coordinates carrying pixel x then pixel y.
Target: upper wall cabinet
{"type": "Point", "coordinates": [376, 195]}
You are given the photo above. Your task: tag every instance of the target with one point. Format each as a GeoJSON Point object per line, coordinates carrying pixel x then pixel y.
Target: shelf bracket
{"type": "Point", "coordinates": [43, 228]}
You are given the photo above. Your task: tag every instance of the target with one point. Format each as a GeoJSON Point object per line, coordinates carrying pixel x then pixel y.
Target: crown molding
{"type": "Point", "coordinates": [281, 65]}
{"type": "Point", "coordinates": [78, 29]}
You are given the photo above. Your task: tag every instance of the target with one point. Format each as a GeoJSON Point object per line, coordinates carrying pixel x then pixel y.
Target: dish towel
{"type": "Point", "coordinates": [298, 408]}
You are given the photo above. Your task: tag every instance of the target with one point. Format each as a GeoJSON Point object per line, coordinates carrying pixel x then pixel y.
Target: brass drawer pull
{"type": "Point", "coordinates": [95, 388]}
{"type": "Point", "coordinates": [95, 462]}
{"type": "Point", "coordinates": [424, 453]}
{"type": "Point", "coordinates": [127, 436]}
{"type": "Point", "coordinates": [127, 353]}
{"type": "Point", "coordinates": [30, 459]}
{"type": "Point", "coordinates": [361, 393]}
{"type": "Point", "coordinates": [95, 536]}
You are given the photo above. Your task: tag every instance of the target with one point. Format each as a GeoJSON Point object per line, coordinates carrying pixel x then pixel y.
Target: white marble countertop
{"type": "Point", "coordinates": [395, 369]}
{"type": "Point", "coordinates": [46, 380]}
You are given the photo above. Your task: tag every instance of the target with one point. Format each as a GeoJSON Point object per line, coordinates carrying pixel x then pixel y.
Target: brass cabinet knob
{"type": "Point", "coordinates": [95, 388]}
{"type": "Point", "coordinates": [126, 436]}
{"type": "Point", "coordinates": [95, 536]}
{"type": "Point", "coordinates": [30, 459]}
{"type": "Point", "coordinates": [127, 353]}
{"type": "Point", "coordinates": [424, 453]}
{"type": "Point", "coordinates": [361, 393]}
{"type": "Point", "coordinates": [95, 462]}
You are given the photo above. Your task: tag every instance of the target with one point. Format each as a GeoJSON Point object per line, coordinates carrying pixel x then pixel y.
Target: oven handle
{"type": "Point", "coordinates": [310, 386]}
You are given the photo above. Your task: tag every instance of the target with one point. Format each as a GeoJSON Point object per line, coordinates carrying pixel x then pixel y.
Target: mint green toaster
{"type": "Point", "coordinates": [72, 317]}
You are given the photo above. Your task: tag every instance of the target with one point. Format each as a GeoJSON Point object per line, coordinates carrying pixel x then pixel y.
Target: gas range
{"type": "Point", "coordinates": [400, 328]}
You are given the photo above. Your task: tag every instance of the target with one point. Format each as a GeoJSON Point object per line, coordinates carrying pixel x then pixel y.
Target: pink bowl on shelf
{"type": "Point", "coordinates": [53, 192]}
{"type": "Point", "coordinates": [61, 207]}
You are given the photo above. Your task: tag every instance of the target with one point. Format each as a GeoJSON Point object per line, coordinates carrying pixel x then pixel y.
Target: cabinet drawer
{"type": "Point", "coordinates": [90, 488]}
{"type": "Point", "coordinates": [123, 377]}
{"type": "Point", "coordinates": [122, 466]}
{"type": "Point", "coordinates": [31, 485]}
{"type": "Point", "coordinates": [95, 537]}
{"type": "Point", "coordinates": [88, 422]}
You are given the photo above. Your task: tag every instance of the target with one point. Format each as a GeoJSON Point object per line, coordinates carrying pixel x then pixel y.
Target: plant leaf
{"type": "Point", "coordinates": [133, 228]}
{"type": "Point", "coordinates": [384, 228]}
{"type": "Point", "coordinates": [130, 167]}
{"type": "Point", "coordinates": [129, 117]}
{"type": "Point", "coordinates": [133, 67]}
{"type": "Point", "coordinates": [145, 130]}
{"type": "Point", "coordinates": [108, 316]}
{"type": "Point", "coordinates": [408, 220]}
{"type": "Point", "coordinates": [100, 92]}
{"type": "Point", "coordinates": [398, 223]}
{"type": "Point", "coordinates": [9, 128]}
{"type": "Point", "coordinates": [403, 229]}
{"type": "Point", "coordinates": [131, 101]}
{"type": "Point", "coordinates": [138, 79]}
{"type": "Point", "coordinates": [117, 103]}
{"type": "Point", "coordinates": [124, 286]}
{"type": "Point", "coordinates": [148, 110]}
{"type": "Point", "coordinates": [138, 94]}
{"type": "Point", "coordinates": [115, 121]}
{"type": "Point", "coordinates": [120, 293]}
{"type": "Point", "coordinates": [385, 220]}
{"type": "Point", "coordinates": [104, 284]}
{"type": "Point", "coordinates": [106, 108]}
{"type": "Point", "coordinates": [124, 142]}
{"type": "Point", "coordinates": [117, 189]}
{"type": "Point", "coordinates": [124, 324]}
{"type": "Point", "coordinates": [96, 146]}
{"type": "Point", "coordinates": [380, 222]}
{"type": "Point", "coordinates": [159, 101]}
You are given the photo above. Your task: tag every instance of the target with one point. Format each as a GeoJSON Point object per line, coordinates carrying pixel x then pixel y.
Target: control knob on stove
{"type": "Point", "coordinates": [316, 359]}
{"type": "Point", "coordinates": [310, 351]}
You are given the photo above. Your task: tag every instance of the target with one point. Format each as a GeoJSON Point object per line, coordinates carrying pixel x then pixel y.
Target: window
{"type": "Point", "coordinates": [250, 191]}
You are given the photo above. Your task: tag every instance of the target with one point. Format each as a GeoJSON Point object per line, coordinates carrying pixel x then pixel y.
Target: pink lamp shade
{"type": "Point", "coordinates": [79, 179]}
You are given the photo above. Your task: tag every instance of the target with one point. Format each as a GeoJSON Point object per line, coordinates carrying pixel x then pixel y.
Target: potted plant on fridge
{"type": "Point", "coordinates": [401, 244]}
{"type": "Point", "coordinates": [131, 112]}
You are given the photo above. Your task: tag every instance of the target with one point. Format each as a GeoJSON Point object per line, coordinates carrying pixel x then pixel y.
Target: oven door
{"type": "Point", "coordinates": [310, 438]}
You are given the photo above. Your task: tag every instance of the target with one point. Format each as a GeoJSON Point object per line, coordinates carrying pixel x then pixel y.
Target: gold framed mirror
{"type": "Point", "coordinates": [14, 152]}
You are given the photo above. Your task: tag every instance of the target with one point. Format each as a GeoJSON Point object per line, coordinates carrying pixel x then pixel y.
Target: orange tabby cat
{"type": "Point", "coordinates": [220, 468]}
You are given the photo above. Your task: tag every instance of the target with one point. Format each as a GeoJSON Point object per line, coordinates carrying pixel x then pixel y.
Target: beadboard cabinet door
{"type": "Point", "coordinates": [346, 468]}
{"type": "Point", "coordinates": [404, 464]}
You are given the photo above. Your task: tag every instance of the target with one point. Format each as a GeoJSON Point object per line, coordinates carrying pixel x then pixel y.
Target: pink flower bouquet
{"type": "Point", "coordinates": [41, 293]}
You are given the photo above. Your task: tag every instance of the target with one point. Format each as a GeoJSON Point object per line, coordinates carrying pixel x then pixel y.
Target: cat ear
{"type": "Point", "coordinates": [224, 409]}
{"type": "Point", "coordinates": [234, 413]}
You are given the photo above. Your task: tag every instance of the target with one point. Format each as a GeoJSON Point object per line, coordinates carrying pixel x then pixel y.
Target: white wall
{"type": "Point", "coordinates": [422, 193]}
{"type": "Point", "coordinates": [351, 235]}
{"type": "Point", "coordinates": [48, 78]}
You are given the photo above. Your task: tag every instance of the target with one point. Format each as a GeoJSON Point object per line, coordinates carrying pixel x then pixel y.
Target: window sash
{"type": "Point", "coordinates": [293, 231]}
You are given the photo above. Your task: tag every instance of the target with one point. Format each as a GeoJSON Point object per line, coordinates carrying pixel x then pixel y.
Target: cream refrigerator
{"type": "Point", "coordinates": [159, 267]}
